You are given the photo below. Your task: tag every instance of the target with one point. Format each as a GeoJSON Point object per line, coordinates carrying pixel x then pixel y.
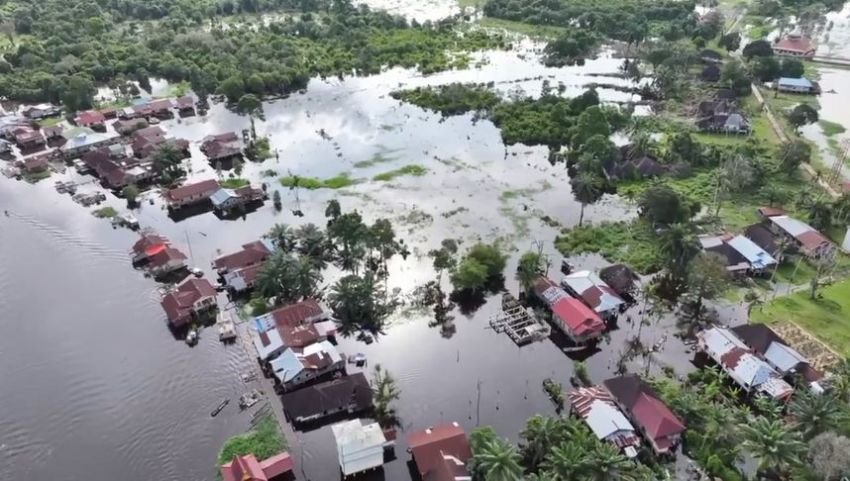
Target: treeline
{"type": "Point", "coordinates": [72, 49]}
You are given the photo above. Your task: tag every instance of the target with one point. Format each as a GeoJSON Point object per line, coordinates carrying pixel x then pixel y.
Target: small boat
{"type": "Point", "coordinates": [226, 331]}
{"type": "Point", "coordinates": [248, 376]}
{"type": "Point", "coordinates": [218, 408]}
{"type": "Point", "coordinates": [196, 272]}
{"type": "Point", "coordinates": [192, 337]}
{"type": "Point", "coordinates": [358, 359]}
{"type": "Point", "coordinates": [249, 399]}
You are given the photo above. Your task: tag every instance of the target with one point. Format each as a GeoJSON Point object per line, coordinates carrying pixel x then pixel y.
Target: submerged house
{"type": "Point", "coordinates": [808, 241]}
{"type": "Point", "coordinates": [82, 143]}
{"type": "Point", "coordinates": [28, 138]}
{"type": "Point", "coordinates": [632, 164]}
{"type": "Point", "coordinates": [242, 280]}
{"type": "Point", "coordinates": [248, 468]}
{"type": "Point", "coordinates": [251, 254]}
{"type": "Point", "coordinates": [295, 325]}
{"type": "Point", "coordinates": [191, 193]}
{"type": "Point", "coordinates": [222, 147]}
{"type": "Point", "coordinates": [656, 422]}
{"type": "Point", "coordinates": [347, 394]}
{"type": "Point", "coordinates": [752, 374]}
{"type": "Point", "coordinates": [193, 299]}
{"type": "Point", "coordinates": [782, 357]}
{"type": "Point", "coordinates": [157, 255]}
{"type": "Point", "coordinates": [742, 255]}
{"type": "Point", "coordinates": [42, 111]}
{"type": "Point", "coordinates": [795, 45]}
{"type": "Point", "coordinates": [597, 408]}
{"type": "Point", "coordinates": [441, 452]}
{"type": "Point", "coordinates": [580, 323]}
{"type": "Point", "coordinates": [91, 119]}
{"type": "Point", "coordinates": [360, 446]}
{"type": "Point", "coordinates": [297, 366]}
{"type": "Point", "coordinates": [185, 105]}
{"type": "Point", "coordinates": [594, 292]}
{"type": "Point", "coordinates": [225, 200]}
{"type": "Point", "coordinates": [621, 278]}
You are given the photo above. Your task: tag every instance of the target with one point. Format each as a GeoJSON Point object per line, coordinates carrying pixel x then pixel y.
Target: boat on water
{"type": "Point", "coordinates": [249, 399]}
{"type": "Point", "coordinates": [248, 376]}
{"type": "Point", "coordinates": [226, 331]}
{"type": "Point", "coordinates": [358, 359]}
{"type": "Point", "coordinates": [192, 337]}
{"type": "Point", "coordinates": [218, 408]}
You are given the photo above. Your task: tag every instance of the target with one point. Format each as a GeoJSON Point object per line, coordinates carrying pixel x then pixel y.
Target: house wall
{"type": "Point", "coordinates": [306, 376]}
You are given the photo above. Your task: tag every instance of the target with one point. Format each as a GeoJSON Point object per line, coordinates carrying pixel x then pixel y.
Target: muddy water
{"type": "Point", "coordinates": [90, 369]}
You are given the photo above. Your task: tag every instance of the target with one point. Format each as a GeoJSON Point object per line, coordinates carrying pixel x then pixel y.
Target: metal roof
{"type": "Point", "coordinates": [606, 420]}
{"type": "Point", "coordinates": [754, 254]}
{"type": "Point", "coordinates": [287, 366]}
{"type": "Point", "coordinates": [791, 225]}
{"type": "Point", "coordinates": [359, 446]}
{"type": "Point", "coordinates": [593, 290]}
{"type": "Point", "coordinates": [221, 196]}
{"type": "Point", "coordinates": [801, 82]}
{"type": "Point", "coordinates": [783, 357]}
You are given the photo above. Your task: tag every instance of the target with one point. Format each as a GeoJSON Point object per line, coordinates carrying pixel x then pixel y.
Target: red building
{"type": "Point", "coordinates": [795, 45]}
{"type": "Point", "coordinates": [192, 299]}
{"type": "Point", "coordinates": [656, 421]}
{"type": "Point", "coordinates": [441, 452]}
{"type": "Point", "coordinates": [91, 119]}
{"type": "Point", "coordinates": [251, 254]}
{"type": "Point", "coordinates": [191, 193]}
{"type": "Point", "coordinates": [569, 314]}
{"type": "Point", "coordinates": [247, 468]}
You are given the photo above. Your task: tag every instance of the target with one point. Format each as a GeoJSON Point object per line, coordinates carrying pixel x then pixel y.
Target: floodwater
{"type": "Point", "coordinates": [91, 372]}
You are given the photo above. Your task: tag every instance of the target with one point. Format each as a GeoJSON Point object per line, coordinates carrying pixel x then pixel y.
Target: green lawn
{"type": "Point", "coordinates": [827, 318]}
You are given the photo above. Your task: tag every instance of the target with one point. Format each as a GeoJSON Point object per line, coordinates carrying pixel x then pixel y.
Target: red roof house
{"type": "Point", "coordinates": [90, 118]}
{"type": "Point", "coordinates": [441, 452]}
{"type": "Point", "coordinates": [659, 425]}
{"type": "Point", "coordinates": [572, 316]}
{"type": "Point", "coordinates": [247, 468]}
{"type": "Point", "coordinates": [252, 253]}
{"type": "Point", "coordinates": [191, 193]}
{"type": "Point", "coordinates": [795, 45]}
{"type": "Point", "coordinates": [192, 298]}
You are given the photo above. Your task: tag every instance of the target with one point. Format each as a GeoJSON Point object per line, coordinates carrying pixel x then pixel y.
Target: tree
{"type": "Point", "coordinates": [572, 47]}
{"type": "Point", "coordinates": [816, 413]}
{"type": "Point", "coordinates": [540, 435]}
{"type": "Point", "coordinates": [801, 115]}
{"type": "Point", "coordinates": [586, 190]}
{"type": "Point", "coordinates": [312, 244]}
{"type": "Point", "coordinates": [707, 278]}
{"type": "Point", "coordinates": [531, 266]}
{"type": "Point", "coordinates": [131, 193]}
{"type": "Point", "coordinates": [792, 67]}
{"type": "Point", "coordinates": [678, 246]}
{"type": "Point", "coordinates": [661, 205]}
{"type": "Point", "coordinates": [287, 279]}
{"type": "Point", "coordinates": [590, 123]}
{"type": "Point", "coordinates": [360, 303]}
{"type": "Point", "coordinates": [385, 392]}
{"type": "Point", "coordinates": [497, 460]}
{"type": "Point", "coordinates": [730, 41]}
{"type": "Point", "coordinates": [841, 208]}
{"type": "Point", "coordinates": [774, 446]}
{"type": "Point", "coordinates": [381, 239]}
{"type": "Point", "coordinates": [469, 275]}
{"type": "Point", "coordinates": [734, 75]}
{"type": "Point", "coordinates": [489, 256]}
{"type": "Point", "coordinates": [820, 215]}
{"type": "Point", "coordinates": [566, 461]}
{"type": "Point", "coordinates": [793, 153]}
{"type": "Point", "coordinates": [606, 463]}
{"type": "Point", "coordinates": [251, 106]}
{"type": "Point", "coordinates": [276, 201]}
{"type": "Point", "coordinates": [167, 162]}
{"type": "Point", "coordinates": [282, 236]}
{"type": "Point", "coordinates": [350, 236]}
{"type": "Point", "coordinates": [829, 455]}
{"type": "Point", "coordinates": [233, 88]}
{"type": "Point", "coordinates": [765, 69]}
{"type": "Point", "coordinates": [78, 92]}
{"type": "Point", "coordinates": [758, 48]}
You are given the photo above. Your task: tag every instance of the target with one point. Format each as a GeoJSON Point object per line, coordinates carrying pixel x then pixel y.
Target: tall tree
{"type": "Point", "coordinates": [678, 246]}
{"type": "Point", "coordinates": [531, 266]}
{"type": "Point", "coordinates": [606, 463]}
{"type": "Point", "coordinates": [312, 243]}
{"type": "Point", "coordinates": [775, 447]}
{"type": "Point", "coordinates": [586, 190]}
{"type": "Point", "coordinates": [282, 236]}
{"type": "Point", "coordinates": [350, 236]}
{"type": "Point", "coordinates": [661, 205]}
{"type": "Point", "coordinates": [707, 278]}
{"type": "Point", "coordinates": [360, 303]}
{"type": "Point", "coordinates": [497, 460]}
{"type": "Point", "coordinates": [801, 115]}
{"type": "Point", "coordinates": [287, 279]}
{"type": "Point", "coordinates": [817, 413]}
{"type": "Point", "coordinates": [540, 435]}
{"type": "Point", "coordinates": [385, 392]}
{"type": "Point", "coordinates": [829, 454]}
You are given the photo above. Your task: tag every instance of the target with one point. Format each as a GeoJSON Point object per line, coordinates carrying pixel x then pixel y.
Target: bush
{"type": "Point", "coordinates": [312, 183]}
{"type": "Point", "coordinates": [632, 243]}
{"type": "Point", "coordinates": [105, 213]}
{"type": "Point", "coordinates": [412, 169]}
{"type": "Point", "coordinates": [234, 183]}
{"type": "Point", "coordinates": [263, 442]}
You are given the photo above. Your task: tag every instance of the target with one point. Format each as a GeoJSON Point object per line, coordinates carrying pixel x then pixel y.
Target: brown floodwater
{"type": "Point", "coordinates": [91, 373]}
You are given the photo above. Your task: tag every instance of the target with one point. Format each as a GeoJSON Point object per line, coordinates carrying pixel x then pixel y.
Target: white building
{"type": "Point", "coordinates": [359, 446]}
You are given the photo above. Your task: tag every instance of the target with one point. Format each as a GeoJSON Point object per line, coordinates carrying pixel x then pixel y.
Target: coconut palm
{"type": "Point", "coordinates": [541, 433]}
{"type": "Point", "coordinates": [497, 460]}
{"type": "Point", "coordinates": [586, 190]}
{"type": "Point", "coordinates": [816, 413]}
{"type": "Point", "coordinates": [312, 243]}
{"type": "Point", "coordinates": [774, 446]}
{"type": "Point", "coordinates": [678, 246]}
{"type": "Point", "coordinates": [606, 463]}
{"type": "Point", "coordinates": [288, 279]}
{"type": "Point", "coordinates": [385, 391]}
{"type": "Point", "coordinates": [565, 461]}
{"type": "Point", "coordinates": [282, 236]}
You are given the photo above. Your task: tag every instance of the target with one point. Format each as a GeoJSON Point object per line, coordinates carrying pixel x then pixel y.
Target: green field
{"type": "Point", "coordinates": [827, 318]}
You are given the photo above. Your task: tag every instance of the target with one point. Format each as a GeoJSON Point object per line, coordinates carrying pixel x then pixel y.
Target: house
{"type": "Point", "coordinates": [633, 165]}
{"type": "Point", "coordinates": [251, 254]}
{"type": "Point", "coordinates": [765, 212]}
{"type": "Point", "coordinates": [80, 144]}
{"type": "Point", "coordinates": [109, 113]}
{"type": "Point", "coordinates": [185, 105]}
{"type": "Point", "coordinates": [5, 147]}
{"type": "Point", "coordinates": [349, 394]}
{"type": "Point", "coordinates": [247, 468]}
{"type": "Point", "coordinates": [776, 352]}
{"type": "Point", "coordinates": [642, 405]}
{"type": "Point", "coordinates": [128, 126]}
{"type": "Point", "coordinates": [160, 108]}
{"type": "Point", "coordinates": [242, 280]}
{"type": "Point", "coordinates": [301, 365]}
{"type": "Point", "coordinates": [599, 411]}
{"type": "Point", "coordinates": [36, 163]}
{"type": "Point", "coordinates": [146, 246]}
{"type": "Point", "coordinates": [800, 85]}
{"type": "Point", "coordinates": [710, 56]}
{"type": "Point", "coordinates": [809, 241]}
{"type": "Point", "coordinates": [91, 119]}
{"type": "Point", "coordinates": [193, 299]}
{"type": "Point", "coordinates": [165, 260]}
{"type": "Point", "coordinates": [441, 452]}
{"type": "Point", "coordinates": [724, 123]}
{"type": "Point", "coordinates": [191, 193]}
{"type": "Point", "coordinates": [752, 374]}
{"type": "Point", "coordinates": [28, 138]}
{"type": "Point", "coordinates": [621, 278]}
{"type": "Point", "coordinates": [594, 292]}
{"type": "Point", "coordinates": [761, 236]}
{"type": "Point", "coordinates": [222, 147]}
{"type": "Point", "coordinates": [359, 445]}
{"type": "Point", "coordinates": [576, 320]}
{"type": "Point", "coordinates": [742, 255]}
{"type": "Point", "coordinates": [110, 172]}
{"type": "Point", "coordinates": [226, 200]}
{"type": "Point", "coordinates": [711, 73]}
{"type": "Point", "coordinates": [52, 133]}
{"type": "Point", "coordinates": [795, 45]}
{"type": "Point", "coordinates": [42, 111]}
{"type": "Point", "coordinates": [295, 325]}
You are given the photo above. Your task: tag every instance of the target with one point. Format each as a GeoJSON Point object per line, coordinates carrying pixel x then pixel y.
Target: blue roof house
{"type": "Point", "coordinates": [800, 85]}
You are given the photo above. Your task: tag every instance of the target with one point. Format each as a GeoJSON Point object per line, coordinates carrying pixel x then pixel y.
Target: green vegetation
{"type": "Point", "coordinates": [50, 121]}
{"type": "Point", "coordinates": [412, 169]}
{"type": "Point", "coordinates": [827, 317]}
{"type": "Point", "coordinates": [633, 243]}
{"type": "Point", "coordinates": [105, 213]}
{"type": "Point", "coordinates": [533, 31]}
{"type": "Point", "coordinates": [831, 128]}
{"type": "Point", "coordinates": [451, 99]}
{"type": "Point", "coordinates": [263, 441]}
{"type": "Point", "coordinates": [482, 265]}
{"type": "Point", "coordinates": [384, 156]}
{"type": "Point", "coordinates": [311, 183]}
{"type": "Point", "coordinates": [258, 149]}
{"type": "Point", "coordinates": [234, 182]}
{"type": "Point", "coordinates": [34, 177]}
{"type": "Point", "coordinates": [65, 48]}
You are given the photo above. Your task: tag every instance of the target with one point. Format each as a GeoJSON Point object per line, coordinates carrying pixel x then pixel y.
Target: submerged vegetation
{"type": "Point", "coordinates": [412, 169]}
{"type": "Point", "coordinates": [451, 99]}
{"type": "Point", "coordinates": [312, 183]}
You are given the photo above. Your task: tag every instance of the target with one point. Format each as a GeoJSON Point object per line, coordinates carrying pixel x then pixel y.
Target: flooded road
{"type": "Point", "coordinates": [91, 372]}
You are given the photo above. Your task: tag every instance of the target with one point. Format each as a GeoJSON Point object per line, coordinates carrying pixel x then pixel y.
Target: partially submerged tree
{"type": "Point", "coordinates": [360, 303]}
{"type": "Point", "coordinates": [385, 392]}
{"type": "Point", "coordinates": [586, 190]}
{"type": "Point", "coordinates": [707, 278]}
{"type": "Point", "coordinates": [801, 115]}
{"type": "Point", "coordinates": [285, 278]}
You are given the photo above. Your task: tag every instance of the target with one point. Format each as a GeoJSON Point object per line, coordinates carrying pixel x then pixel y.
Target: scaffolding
{"type": "Point", "coordinates": [519, 322]}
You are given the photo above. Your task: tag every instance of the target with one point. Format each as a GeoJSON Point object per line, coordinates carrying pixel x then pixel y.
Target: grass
{"type": "Point", "coordinates": [50, 121]}
{"type": "Point", "coordinates": [831, 128]}
{"type": "Point", "coordinates": [269, 173]}
{"type": "Point", "coordinates": [234, 183]}
{"type": "Point", "coordinates": [311, 183]}
{"type": "Point", "coordinates": [470, 3]}
{"type": "Point", "coordinates": [633, 243]}
{"type": "Point", "coordinates": [827, 318]}
{"type": "Point", "coordinates": [412, 169]}
{"type": "Point", "coordinates": [37, 176]}
{"type": "Point", "coordinates": [263, 442]}
{"type": "Point", "coordinates": [179, 89]}
{"type": "Point", "coordinates": [378, 158]}
{"type": "Point", "coordinates": [105, 213]}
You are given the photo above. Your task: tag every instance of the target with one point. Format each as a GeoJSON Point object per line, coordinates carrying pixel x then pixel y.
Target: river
{"type": "Point", "coordinates": [97, 388]}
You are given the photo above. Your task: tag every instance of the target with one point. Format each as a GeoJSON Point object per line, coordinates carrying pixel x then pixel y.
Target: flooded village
{"type": "Point", "coordinates": [159, 310]}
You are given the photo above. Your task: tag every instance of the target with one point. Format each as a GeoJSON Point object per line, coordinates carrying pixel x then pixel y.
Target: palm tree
{"type": "Point", "coordinates": [816, 413]}
{"type": "Point", "coordinates": [313, 244]}
{"type": "Point", "coordinates": [287, 279]}
{"type": "Point", "coordinates": [774, 446]}
{"type": "Point", "coordinates": [498, 461]}
{"type": "Point", "coordinates": [541, 433]}
{"type": "Point", "coordinates": [606, 463]}
{"type": "Point", "coordinates": [282, 236]}
{"type": "Point", "coordinates": [385, 391]}
{"type": "Point", "coordinates": [565, 461]}
{"type": "Point", "coordinates": [586, 191]}
{"type": "Point", "coordinates": [752, 298]}
{"type": "Point", "coordinates": [677, 246]}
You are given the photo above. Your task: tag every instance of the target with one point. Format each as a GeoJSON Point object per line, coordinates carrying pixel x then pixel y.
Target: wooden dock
{"type": "Point", "coordinates": [519, 322]}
